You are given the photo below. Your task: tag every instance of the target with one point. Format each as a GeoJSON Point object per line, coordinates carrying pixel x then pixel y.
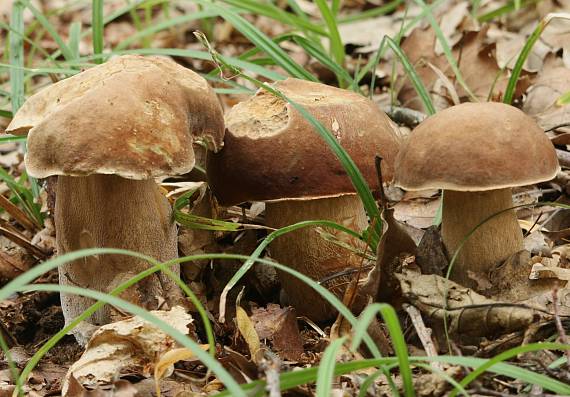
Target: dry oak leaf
{"type": "Point", "coordinates": [468, 313]}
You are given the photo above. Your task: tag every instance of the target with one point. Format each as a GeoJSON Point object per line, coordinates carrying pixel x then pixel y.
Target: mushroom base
{"type": "Point", "coordinates": [307, 252]}
{"type": "Point", "coordinates": [491, 243]}
{"type": "Point", "coordinates": [107, 211]}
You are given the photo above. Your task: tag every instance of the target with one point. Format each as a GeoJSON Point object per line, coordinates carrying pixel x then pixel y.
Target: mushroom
{"type": "Point", "coordinates": [273, 154]}
{"type": "Point", "coordinates": [477, 152]}
{"type": "Point", "coordinates": [107, 132]}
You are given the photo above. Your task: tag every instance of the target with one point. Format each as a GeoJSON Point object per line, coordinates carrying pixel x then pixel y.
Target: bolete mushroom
{"type": "Point", "coordinates": [477, 152]}
{"type": "Point", "coordinates": [107, 132]}
{"type": "Point", "coordinates": [273, 154]}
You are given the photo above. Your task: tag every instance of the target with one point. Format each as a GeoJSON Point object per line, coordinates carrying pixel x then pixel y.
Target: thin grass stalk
{"type": "Point", "coordinates": [97, 26]}
{"type": "Point", "coordinates": [525, 52]}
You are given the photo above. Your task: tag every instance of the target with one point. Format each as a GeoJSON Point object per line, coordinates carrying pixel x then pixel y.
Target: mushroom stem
{"type": "Point", "coordinates": [113, 212]}
{"type": "Point", "coordinates": [491, 243]}
{"type": "Point", "coordinates": [306, 251]}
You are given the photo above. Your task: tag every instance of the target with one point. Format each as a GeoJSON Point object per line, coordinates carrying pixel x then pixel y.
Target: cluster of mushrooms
{"type": "Point", "coordinates": [109, 131]}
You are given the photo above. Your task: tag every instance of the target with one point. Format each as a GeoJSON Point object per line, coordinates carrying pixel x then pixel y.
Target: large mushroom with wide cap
{"type": "Point", "coordinates": [107, 133]}
{"type": "Point", "coordinates": [476, 152]}
{"type": "Point", "coordinates": [273, 154]}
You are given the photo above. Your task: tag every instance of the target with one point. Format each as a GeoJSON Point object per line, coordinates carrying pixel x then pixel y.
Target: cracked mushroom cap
{"type": "Point", "coordinates": [133, 116]}
{"type": "Point", "coordinates": [476, 147]}
{"type": "Point", "coordinates": [271, 152]}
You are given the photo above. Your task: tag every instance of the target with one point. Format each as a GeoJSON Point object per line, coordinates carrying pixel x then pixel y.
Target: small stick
{"type": "Point", "coordinates": [424, 333]}
{"type": "Point", "coordinates": [271, 366]}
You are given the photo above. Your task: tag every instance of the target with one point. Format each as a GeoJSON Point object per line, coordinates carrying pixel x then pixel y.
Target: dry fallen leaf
{"type": "Point", "coordinates": [132, 344]}
{"type": "Point", "coordinates": [468, 313]}
{"type": "Point", "coordinates": [279, 325]}
{"type": "Point", "coordinates": [247, 330]}
{"type": "Point", "coordinates": [167, 361]}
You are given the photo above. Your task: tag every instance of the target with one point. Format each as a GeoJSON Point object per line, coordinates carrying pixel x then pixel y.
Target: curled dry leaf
{"type": "Point", "coordinates": [133, 344]}
{"type": "Point", "coordinates": [249, 334]}
{"type": "Point", "coordinates": [279, 325]}
{"type": "Point", "coordinates": [168, 359]}
{"type": "Point", "coordinates": [468, 313]}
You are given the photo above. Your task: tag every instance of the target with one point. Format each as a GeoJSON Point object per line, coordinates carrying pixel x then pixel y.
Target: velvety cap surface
{"type": "Point", "coordinates": [133, 116]}
{"type": "Point", "coordinates": [272, 152]}
{"type": "Point", "coordinates": [476, 147]}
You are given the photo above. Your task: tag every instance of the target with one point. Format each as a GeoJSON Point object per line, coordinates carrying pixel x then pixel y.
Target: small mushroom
{"type": "Point", "coordinates": [477, 152]}
{"type": "Point", "coordinates": [106, 133]}
{"type": "Point", "coordinates": [273, 154]}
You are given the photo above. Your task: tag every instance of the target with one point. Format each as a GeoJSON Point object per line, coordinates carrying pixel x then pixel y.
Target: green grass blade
{"type": "Point", "coordinates": [17, 56]}
{"type": "Point", "coordinates": [97, 27]}
{"type": "Point", "coordinates": [325, 373]}
{"type": "Point", "coordinates": [564, 99]}
{"type": "Point", "coordinates": [290, 380]}
{"type": "Point", "coordinates": [163, 26]}
{"type": "Point", "coordinates": [342, 75]}
{"type": "Point", "coordinates": [34, 71]}
{"type": "Point", "coordinates": [446, 49]}
{"type": "Point", "coordinates": [212, 364]}
{"type": "Point", "coordinates": [301, 14]}
{"type": "Point", "coordinates": [199, 222]}
{"type": "Point", "coordinates": [6, 114]}
{"type": "Point", "coordinates": [68, 55]}
{"type": "Point", "coordinates": [117, 291]}
{"type": "Point", "coordinates": [525, 52]}
{"type": "Point", "coordinates": [371, 13]}
{"type": "Point", "coordinates": [412, 75]}
{"type": "Point", "coordinates": [503, 10]}
{"type": "Point", "coordinates": [478, 371]}
{"type": "Point", "coordinates": [396, 335]}
{"type": "Point", "coordinates": [275, 52]}
{"type": "Point", "coordinates": [263, 245]}
{"type": "Point", "coordinates": [238, 63]}
{"type": "Point", "coordinates": [269, 10]}
{"type": "Point", "coordinates": [74, 38]}
{"type": "Point", "coordinates": [336, 45]}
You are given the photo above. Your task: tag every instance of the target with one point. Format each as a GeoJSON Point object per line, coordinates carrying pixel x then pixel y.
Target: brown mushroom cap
{"type": "Point", "coordinates": [271, 152]}
{"type": "Point", "coordinates": [476, 147]}
{"type": "Point", "coordinates": [133, 116]}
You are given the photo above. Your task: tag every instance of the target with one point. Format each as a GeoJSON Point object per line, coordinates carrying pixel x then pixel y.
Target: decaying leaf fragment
{"type": "Point", "coordinates": [279, 325]}
{"type": "Point", "coordinates": [468, 313]}
{"type": "Point", "coordinates": [132, 345]}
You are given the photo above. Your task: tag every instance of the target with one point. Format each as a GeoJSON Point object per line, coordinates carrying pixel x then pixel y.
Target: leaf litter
{"type": "Point", "coordinates": [515, 304]}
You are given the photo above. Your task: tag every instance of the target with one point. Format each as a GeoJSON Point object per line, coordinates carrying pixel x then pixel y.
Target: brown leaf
{"type": "Point", "coordinates": [279, 325]}
{"type": "Point", "coordinates": [132, 345]}
{"type": "Point", "coordinates": [468, 313]}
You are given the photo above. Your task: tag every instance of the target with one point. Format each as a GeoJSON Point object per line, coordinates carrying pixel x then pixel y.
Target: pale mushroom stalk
{"type": "Point", "coordinates": [273, 154]}
{"type": "Point", "coordinates": [476, 152]}
{"type": "Point", "coordinates": [107, 133]}
{"type": "Point", "coordinates": [87, 214]}
{"type": "Point", "coordinates": [306, 250]}
{"type": "Point", "coordinates": [492, 242]}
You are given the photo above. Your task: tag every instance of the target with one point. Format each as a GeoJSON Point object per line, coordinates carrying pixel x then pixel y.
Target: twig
{"type": "Point", "coordinates": [557, 127]}
{"type": "Point", "coordinates": [23, 242]}
{"type": "Point", "coordinates": [17, 214]}
{"type": "Point", "coordinates": [424, 333]}
{"type": "Point", "coordinates": [558, 322]}
{"type": "Point", "coordinates": [271, 365]}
